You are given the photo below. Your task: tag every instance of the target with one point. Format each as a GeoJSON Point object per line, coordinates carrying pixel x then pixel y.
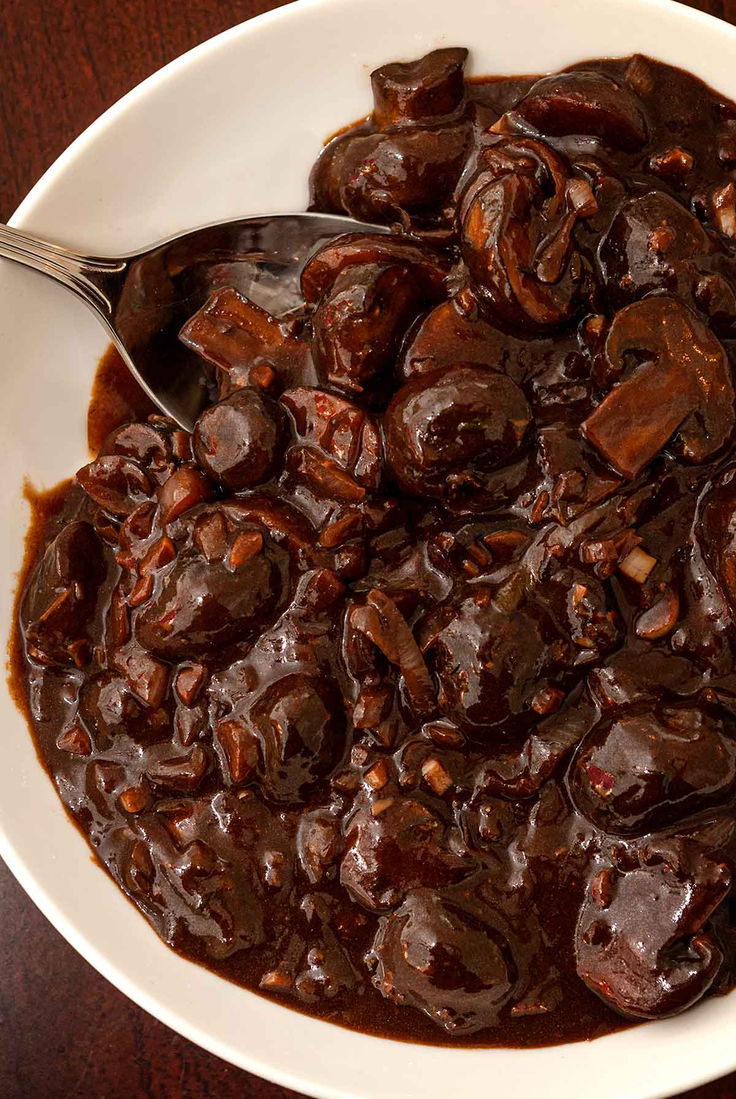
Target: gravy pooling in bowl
{"type": "Point", "coordinates": [403, 689]}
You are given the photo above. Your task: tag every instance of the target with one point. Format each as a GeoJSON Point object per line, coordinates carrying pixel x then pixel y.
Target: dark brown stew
{"type": "Point", "coordinates": [404, 689]}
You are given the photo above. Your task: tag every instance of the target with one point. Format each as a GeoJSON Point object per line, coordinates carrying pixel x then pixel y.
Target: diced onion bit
{"type": "Point", "coordinates": [276, 978]}
{"type": "Point", "coordinates": [436, 777]}
{"type": "Point", "coordinates": [381, 806]}
{"type": "Point", "coordinates": [382, 623]}
{"type": "Point", "coordinates": [601, 887]}
{"type": "Point", "coordinates": [141, 591]}
{"type": "Point", "coordinates": [724, 209]}
{"type": "Point", "coordinates": [135, 798]}
{"type": "Point", "coordinates": [502, 125]}
{"type": "Point", "coordinates": [581, 197]}
{"type": "Point", "coordinates": [377, 775]}
{"type": "Point", "coordinates": [75, 740]}
{"type": "Point", "coordinates": [548, 700]}
{"type": "Point", "coordinates": [247, 544]}
{"type": "Point", "coordinates": [637, 565]}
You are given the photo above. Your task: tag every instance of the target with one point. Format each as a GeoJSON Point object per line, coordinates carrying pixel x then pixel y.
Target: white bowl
{"type": "Point", "coordinates": [230, 129]}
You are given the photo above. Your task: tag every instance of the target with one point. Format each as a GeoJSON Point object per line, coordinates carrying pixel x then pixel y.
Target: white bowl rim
{"type": "Point", "coordinates": [25, 875]}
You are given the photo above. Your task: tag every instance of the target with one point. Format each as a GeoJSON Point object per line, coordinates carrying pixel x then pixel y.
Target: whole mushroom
{"type": "Point", "coordinates": [439, 955]}
{"type": "Point", "coordinates": [238, 441]}
{"type": "Point", "coordinates": [452, 426]}
{"type": "Point", "coordinates": [640, 940]}
{"type": "Point", "coordinates": [360, 323]}
{"type": "Point", "coordinates": [645, 770]}
{"type": "Point", "coordinates": [653, 243]}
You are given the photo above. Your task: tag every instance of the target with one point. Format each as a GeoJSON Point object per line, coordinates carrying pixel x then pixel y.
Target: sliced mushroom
{"type": "Point", "coordinates": [684, 385]}
{"type": "Point", "coordinates": [237, 337]}
{"type": "Point", "coordinates": [116, 483]}
{"type": "Point", "coordinates": [517, 218]}
{"type": "Point", "coordinates": [428, 267]}
{"type": "Point", "coordinates": [585, 102]}
{"type": "Point", "coordinates": [653, 243]}
{"type": "Point", "coordinates": [449, 335]}
{"type": "Point", "coordinates": [343, 432]}
{"type": "Point", "coordinates": [148, 444]}
{"type": "Point", "coordinates": [407, 158]}
{"type": "Point", "coordinates": [59, 603]}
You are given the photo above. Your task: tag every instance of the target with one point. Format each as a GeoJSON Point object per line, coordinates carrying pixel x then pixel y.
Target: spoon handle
{"type": "Point", "coordinates": [89, 278]}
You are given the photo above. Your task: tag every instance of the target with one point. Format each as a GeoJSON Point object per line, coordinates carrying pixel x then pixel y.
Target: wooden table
{"type": "Point", "coordinates": [64, 1031]}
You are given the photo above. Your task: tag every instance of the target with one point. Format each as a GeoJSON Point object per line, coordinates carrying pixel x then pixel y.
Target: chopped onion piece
{"type": "Point", "coordinates": [436, 776]}
{"type": "Point", "coordinates": [637, 565]}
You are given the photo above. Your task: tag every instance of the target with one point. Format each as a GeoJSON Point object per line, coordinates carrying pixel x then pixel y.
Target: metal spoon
{"type": "Point", "coordinates": [144, 298]}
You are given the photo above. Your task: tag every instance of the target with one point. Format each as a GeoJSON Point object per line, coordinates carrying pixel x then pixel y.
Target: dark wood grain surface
{"type": "Point", "coordinates": [64, 1031]}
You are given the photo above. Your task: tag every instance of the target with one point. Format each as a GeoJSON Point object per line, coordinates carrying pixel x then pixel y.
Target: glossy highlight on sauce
{"type": "Point", "coordinates": [404, 688]}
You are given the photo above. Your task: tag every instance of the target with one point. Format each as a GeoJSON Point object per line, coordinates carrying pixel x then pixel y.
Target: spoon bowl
{"type": "Point", "coordinates": [144, 298]}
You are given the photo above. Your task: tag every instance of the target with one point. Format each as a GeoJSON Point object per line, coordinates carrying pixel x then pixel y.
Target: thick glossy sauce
{"type": "Point", "coordinates": [116, 399]}
{"type": "Point", "coordinates": [446, 847]}
{"type": "Point", "coordinates": [583, 1015]}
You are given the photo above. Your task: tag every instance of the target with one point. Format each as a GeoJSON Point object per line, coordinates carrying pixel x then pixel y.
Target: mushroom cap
{"type": "Point", "coordinates": [640, 944]}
